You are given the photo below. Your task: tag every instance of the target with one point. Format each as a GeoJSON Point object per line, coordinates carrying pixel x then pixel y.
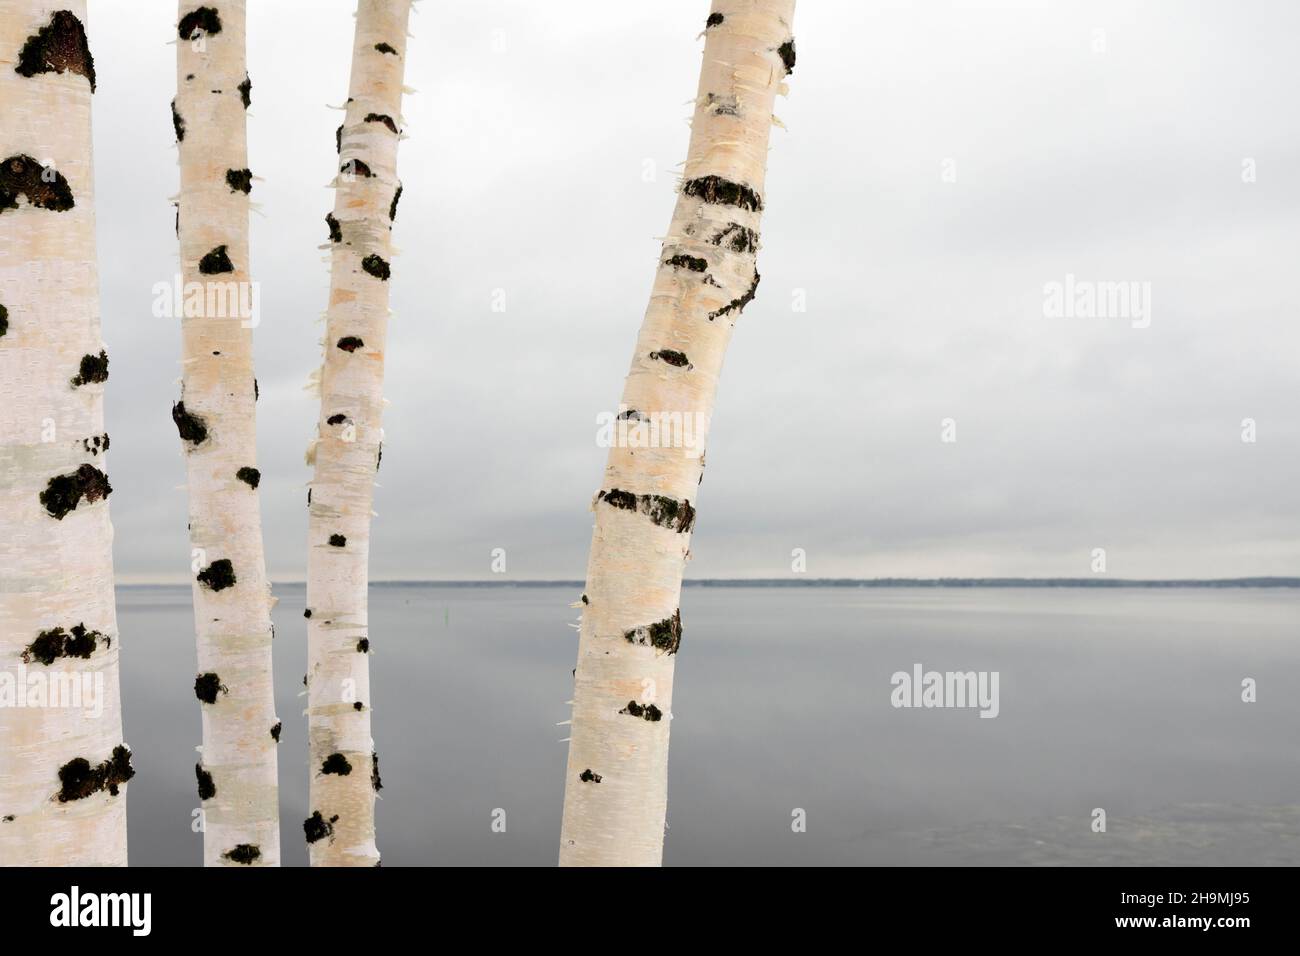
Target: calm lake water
{"type": "Point", "coordinates": [1127, 700]}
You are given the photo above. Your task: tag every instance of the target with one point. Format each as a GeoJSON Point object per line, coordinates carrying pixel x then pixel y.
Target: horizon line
{"type": "Point", "coordinates": [1255, 581]}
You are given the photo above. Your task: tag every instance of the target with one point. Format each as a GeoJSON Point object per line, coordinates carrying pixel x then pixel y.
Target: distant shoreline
{"type": "Point", "coordinates": [1257, 582]}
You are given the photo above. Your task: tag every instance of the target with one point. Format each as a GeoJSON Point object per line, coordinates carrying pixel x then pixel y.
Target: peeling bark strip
{"type": "Point", "coordinates": [630, 631]}
{"type": "Point", "coordinates": [64, 492]}
{"type": "Point", "coordinates": [668, 513]}
{"type": "Point", "coordinates": [665, 635]}
{"type": "Point", "coordinates": [94, 368]}
{"type": "Point", "coordinates": [216, 262]}
{"type": "Point", "coordinates": [207, 789]}
{"type": "Point", "coordinates": [649, 712]}
{"type": "Point", "coordinates": [723, 192]}
{"type": "Point", "coordinates": [61, 46]}
{"type": "Point", "coordinates": [20, 175]}
{"type": "Point", "coordinates": [191, 427]}
{"type": "Point", "coordinates": [316, 827]}
{"type": "Point", "coordinates": [207, 686]}
{"type": "Point", "coordinates": [218, 575]}
{"type": "Point", "coordinates": [249, 476]}
{"type": "Point", "coordinates": [198, 22]}
{"type": "Point", "coordinates": [51, 645]}
{"type": "Point", "coordinates": [336, 763]}
{"type": "Point", "coordinates": [245, 853]}
{"type": "Point", "coordinates": [737, 305]}
{"type": "Point", "coordinates": [79, 780]}
{"type": "Point", "coordinates": [240, 180]}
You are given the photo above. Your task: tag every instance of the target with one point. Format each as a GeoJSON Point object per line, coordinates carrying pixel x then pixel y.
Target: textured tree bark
{"type": "Point", "coordinates": [347, 449]}
{"type": "Point", "coordinates": [63, 767]}
{"type": "Point", "coordinates": [216, 419]}
{"type": "Point", "coordinates": [616, 786]}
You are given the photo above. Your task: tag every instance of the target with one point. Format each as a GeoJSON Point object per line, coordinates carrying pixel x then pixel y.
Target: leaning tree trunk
{"type": "Point", "coordinates": [216, 419]}
{"type": "Point", "coordinates": [63, 765]}
{"type": "Point", "coordinates": [616, 787]}
{"type": "Point", "coordinates": [344, 767]}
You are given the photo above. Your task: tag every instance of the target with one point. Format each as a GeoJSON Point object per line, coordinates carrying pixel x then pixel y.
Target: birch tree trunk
{"type": "Point", "coordinates": [347, 449]}
{"type": "Point", "coordinates": [216, 419]}
{"type": "Point", "coordinates": [616, 786]}
{"type": "Point", "coordinates": [63, 764]}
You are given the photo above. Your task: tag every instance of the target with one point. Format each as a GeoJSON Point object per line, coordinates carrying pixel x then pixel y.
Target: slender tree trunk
{"type": "Point", "coordinates": [216, 419]}
{"type": "Point", "coordinates": [344, 766]}
{"type": "Point", "coordinates": [63, 768]}
{"type": "Point", "coordinates": [616, 787]}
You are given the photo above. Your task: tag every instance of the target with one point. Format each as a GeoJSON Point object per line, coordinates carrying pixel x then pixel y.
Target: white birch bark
{"type": "Point", "coordinates": [616, 785]}
{"type": "Point", "coordinates": [62, 768]}
{"type": "Point", "coordinates": [344, 767]}
{"type": "Point", "coordinates": [216, 419]}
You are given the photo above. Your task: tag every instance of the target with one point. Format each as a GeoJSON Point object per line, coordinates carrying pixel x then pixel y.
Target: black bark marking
{"type": "Point", "coordinates": [336, 763]}
{"type": "Point", "coordinates": [207, 789]}
{"type": "Point", "coordinates": [738, 238]}
{"type": "Point", "coordinates": [392, 210]}
{"type": "Point", "coordinates": [375, 783]}
{"type": "Point", "coordinates": [207, 686]}
{"type": "Point", "coordinates": [96, 443]}
{"type": "Point", "coordinates": [683, 261]}
{"type": "Point", "coordinates": [218, 575]}
{"type": "Point", "coordinates": [665, 635]}
{"type": "Point", "coordinates": [356, 167]}
{"type": "Point", "coordinates": [94, 368]}
{"type": "Point", "coordinates": [382, 118]}
{"type": "Point", "coordinates": [240, 180]}
{"type": "Point", "coordinates": [307, 613]}
{"type": "Point", "coordinates": [245, 853]}
{"type": "Point", "coordinates": [58, 47]}
{"type": "Point", "coordinates": [723, 192]}
{"type": "Point", "coordinates": [249, 476]}
{"type": "Point", "coordinates": [178, 124]}
{"type": "Point", "coordinates": [246, 91]}
{"type": "Point", "coordinates": [336, 233]}
{"type": "Point", "coordinates": [668, 513]}
{"type": "Point", "coordinates": [584, 599]}
{"type": "Point", "coordinates": [385, 48]}
{"type": "Point", "coordinates": [713, 21]}
{"type": "Point", "coordinates": [647, 712]}
{"type": "Point", "coordinates": [379, 456]}
{"type": "Point", "coordinates": [786, 52]}
{"type": "Point", "coordinates": [20, 175]}
{"type": "Point", "coordinates": [56, 643]}
{"type": "Point", "coordinates": [78, 779]}
{"type": "Point", "coordinates": [358, 705]}
{"type": "Point", "coordinates": [672, 357]}
{"type": "Point", "coordinates": [738, 305]}
{"type": "Point", "coordinates": [316, 827]}
{"type": "Point", "coordinates": [216, 262]}
{"type": "Point", "coordinates": [64, 492]}
{"type": "Point", "coordinates": [587, 776]}
{"type": "Point", "coordinates": [350, 343]}
{"type": "Point", "coordinates": [363, 645]}
{"type": "Point", "coordinates": [724, 105]}
{"type": "Point", "coordinates": [338, 419]}
{"type": "Point", "coordinates": [338, 541]}
{"type": "Point", "coordinates": [201, 20]}
{"type": "Point", "coordinates": [191, 427]}
{"type": "Point", "coordinates": [275, 731]}
{"type": "Point", "coordinates": [376, 266]}
{"type": "Point", "coordinates": [4, 320]}
{"type": "Point", "coordinates": [338, 139]}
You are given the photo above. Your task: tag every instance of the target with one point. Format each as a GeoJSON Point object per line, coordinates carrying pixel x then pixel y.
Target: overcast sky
{"type": "Point", "coordinates": [541, 160]}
